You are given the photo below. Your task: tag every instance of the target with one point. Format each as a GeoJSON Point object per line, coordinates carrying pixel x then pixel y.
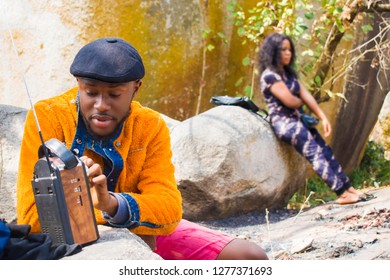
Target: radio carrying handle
{"type": "Point", "coordinates": [60, 150]}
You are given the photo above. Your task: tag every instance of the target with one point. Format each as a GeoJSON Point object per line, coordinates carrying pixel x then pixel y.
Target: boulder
{"type": "Point", "coordinates": [228, 162]}
{"type": "Point", "coordinates": [115, 244]}
{"type": "Point", "coordinates": [11, 132]}
{"type": "Point", "coordinates": [171, 123]}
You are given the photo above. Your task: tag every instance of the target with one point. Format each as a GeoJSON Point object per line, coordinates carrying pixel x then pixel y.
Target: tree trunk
{"type": "Point", "coordinates": [365, 91]}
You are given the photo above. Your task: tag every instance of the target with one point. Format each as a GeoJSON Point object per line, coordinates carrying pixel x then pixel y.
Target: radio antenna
{"type": "Point", "coordinates": [29, 97]}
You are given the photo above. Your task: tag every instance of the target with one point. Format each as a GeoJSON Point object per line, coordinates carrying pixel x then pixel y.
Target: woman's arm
{"type": "Point", "coordinates": [281, 92]}
{"type": "Point", "coordinates": [310, 102]}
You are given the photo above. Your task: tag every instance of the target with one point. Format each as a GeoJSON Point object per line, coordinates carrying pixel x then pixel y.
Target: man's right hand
{"type": "Point", "coordinates": [101, 198]}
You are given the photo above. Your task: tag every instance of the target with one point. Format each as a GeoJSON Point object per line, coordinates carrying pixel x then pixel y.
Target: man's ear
{"type": "Point", "coordinates": [138, 85]}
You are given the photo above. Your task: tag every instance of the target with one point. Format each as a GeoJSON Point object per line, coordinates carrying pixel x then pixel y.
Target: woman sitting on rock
{"type": "Point", "coordinates": [285, 96]}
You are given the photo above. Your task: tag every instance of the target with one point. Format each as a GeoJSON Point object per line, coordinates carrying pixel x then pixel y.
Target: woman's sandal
{"type": "Point", "coordinates": [366, 197]}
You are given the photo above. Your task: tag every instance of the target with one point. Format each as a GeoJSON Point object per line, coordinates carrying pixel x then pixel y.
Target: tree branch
{"type": "Point", "coordinates": [375, 7]}
{"type": "Point", "coordinates": [352, 9]}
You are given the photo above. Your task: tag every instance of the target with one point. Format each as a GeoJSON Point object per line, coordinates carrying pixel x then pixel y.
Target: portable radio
{"type": "Point", "coordinates": [62, 196]}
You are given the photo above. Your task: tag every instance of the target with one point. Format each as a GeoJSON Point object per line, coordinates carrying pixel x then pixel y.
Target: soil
{"type": "Point", "coordinates": [359, 231]}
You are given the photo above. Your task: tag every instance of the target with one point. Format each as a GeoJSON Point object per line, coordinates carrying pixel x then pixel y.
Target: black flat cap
{"type": "Point", "coordinates": [111, 60]}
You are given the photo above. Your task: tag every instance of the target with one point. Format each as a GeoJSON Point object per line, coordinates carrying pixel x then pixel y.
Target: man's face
{"type": "Point", "coordinates": [105, 105]}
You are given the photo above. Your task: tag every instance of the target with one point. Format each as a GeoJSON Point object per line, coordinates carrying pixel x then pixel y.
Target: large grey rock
{"type": "Point", "coordinates": [171, 123]}
{"type": "Point", "coordinates": [228, 162]}
{"type": "Point", "coordinates": [11, 133]}
{"type": "Point", "coordinates": [116, 244]}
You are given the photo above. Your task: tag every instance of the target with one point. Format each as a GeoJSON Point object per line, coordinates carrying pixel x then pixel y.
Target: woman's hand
{"type": "Point", "coordinates": [101, 198]}
{"type": "Point", "coordinates": [310, 102]}
{"type": "Point", "coordinates": [327, 127]}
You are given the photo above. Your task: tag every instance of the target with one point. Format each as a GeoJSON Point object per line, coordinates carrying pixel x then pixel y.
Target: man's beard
{"type": "Point", "coordinates": [105, 137]}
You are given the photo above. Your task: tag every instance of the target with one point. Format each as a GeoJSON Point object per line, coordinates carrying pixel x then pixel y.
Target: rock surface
{"type": "Point", "coordinates": [11, 132]}
{"type": "Point", "coordinates": [115, 244]}
{"type": "Point", "coordinates": [358, 231]}
{"type": "Point", "coordinates": [228, 161]}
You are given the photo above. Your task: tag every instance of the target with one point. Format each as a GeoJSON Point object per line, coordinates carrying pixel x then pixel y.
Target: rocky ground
{"type": "Point", "coordinates": [358, 231]}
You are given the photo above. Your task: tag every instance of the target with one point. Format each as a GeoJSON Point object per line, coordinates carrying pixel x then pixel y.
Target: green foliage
{"type": "Point", "coordinates": [321, 194]}
{"type": "Point", "coordinates": [307, 22]}
{"type": "Point", "coordinates": [246, 61]}
{"type": "Point", "coordinates": [385, 139]}
{"type": "Point", "coordinates": [374, 171]}
{"type": "Point", "coordinates": [367, 28]}
{"type": "Point", "coordinates": [209, 35]}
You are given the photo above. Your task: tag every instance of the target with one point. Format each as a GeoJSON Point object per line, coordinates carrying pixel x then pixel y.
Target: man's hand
{"type": "Point", "coordinates": [101, 198]}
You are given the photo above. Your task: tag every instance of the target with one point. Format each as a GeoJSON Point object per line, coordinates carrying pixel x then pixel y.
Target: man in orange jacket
{"type": "Point", "coordinates": [126, 148]}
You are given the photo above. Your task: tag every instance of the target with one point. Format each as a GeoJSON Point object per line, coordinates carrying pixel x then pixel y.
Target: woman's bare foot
{"type": "Point", "coordinates": [348, 197]}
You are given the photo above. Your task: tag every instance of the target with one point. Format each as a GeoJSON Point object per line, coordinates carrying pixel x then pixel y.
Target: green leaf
{"type": "Point", "coordinates": [367, 28]}
{"type": "Point", "coordinates": [239, 81]}
{"type": "Point", "coordinates": [309, 15]}
{"type": "Point", "coordinates": [231, 6]}
{"type": "Point", "coordinates": [308, 68]}
{"type": "Point", "coordinates": [247, 91]}
{"type": "Point", "coordinates": [283, 3]}
{"type": "Point", "coordinates": [289, 12]}
{"type": "Point", "coordinates": [348, 37]}
{"type": "Point", "coordinates": [221, 35]}
{"type": "Point", "coordinates": [301, 28]}
{"type": "Point", "coordinates": [246, 61]}
{"type": "Point", "coordinates": [261, 30]}
{"type": "Point", "coordinates": [210, 47]}
{"type": "Point", "coordinates": [318, 81]}
{"type": "Point", "coordinates": [241, 31]}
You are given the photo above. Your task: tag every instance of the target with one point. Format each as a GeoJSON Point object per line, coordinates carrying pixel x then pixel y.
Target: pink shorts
{"type": "Point", "coordinates": [190, 241]}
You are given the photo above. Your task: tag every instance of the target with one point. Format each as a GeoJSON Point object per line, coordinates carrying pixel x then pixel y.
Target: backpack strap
{"type": "Point", "coordinates": [243, 102]}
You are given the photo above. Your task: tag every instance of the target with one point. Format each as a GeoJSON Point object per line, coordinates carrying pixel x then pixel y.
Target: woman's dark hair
{"type": "Point", "coordinates": [270, 54]}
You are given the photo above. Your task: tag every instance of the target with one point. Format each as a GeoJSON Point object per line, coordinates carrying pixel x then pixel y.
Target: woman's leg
{"type": "Point", "coordinates": [295, 133]}
{"type": "Point", "coordinates": [329, 156]}
{"type": "Point", "coordinates": [335, 165]}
